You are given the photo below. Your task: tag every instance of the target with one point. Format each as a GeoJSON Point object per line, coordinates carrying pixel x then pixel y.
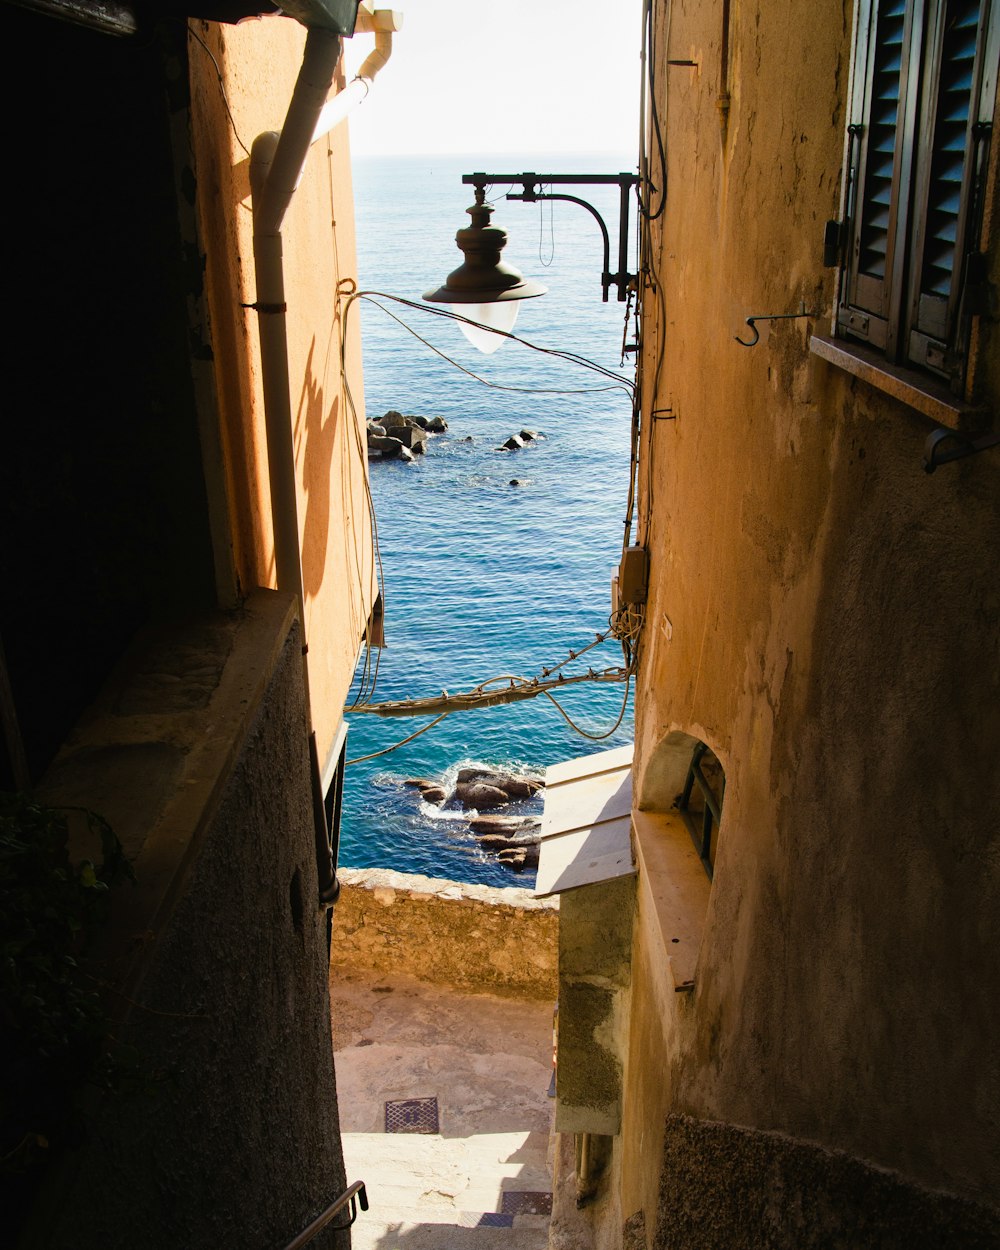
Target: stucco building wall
{"type": "Point", "coordinates": [259, 63]}
{"type": "Point", "coordinates": [215, 962]}
{"type": "Point", "coordinates": [824, 615]}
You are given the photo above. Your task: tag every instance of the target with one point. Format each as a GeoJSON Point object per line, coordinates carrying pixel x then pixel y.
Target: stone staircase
{"type": "Point", "coordinates": [416, 1058]}
{"type": "Point", "coordinates": [439, 1193]}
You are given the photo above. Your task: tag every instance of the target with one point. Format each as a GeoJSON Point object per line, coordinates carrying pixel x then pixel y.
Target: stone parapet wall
{"type": "Point", "coordinates": [469, 937]}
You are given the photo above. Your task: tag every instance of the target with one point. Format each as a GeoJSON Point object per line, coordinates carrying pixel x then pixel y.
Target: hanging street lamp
{"type": "Point", "coordinates": [484, 288]}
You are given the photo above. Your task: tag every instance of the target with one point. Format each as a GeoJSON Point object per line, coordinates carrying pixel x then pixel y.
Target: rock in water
{"type": "Point", "coordinates": [413, 437]}
{"type": "Point", "coordinates": [437, 425]}
{"type": "Point", "coordinates": [503, 826]}
{"type": "Point", "coordinates": [522, 787]}
{"type": "Point", "coordinates": [481, 796]}
{"type": "Point", "coordinates": [513, 443]}
{"type": "Point", "coordinates": [513, 784]}
{"type": "Point", "coordinates": [388, 447]}
{"type": "Point", "coordinates": [430, 791]}
{"type": "Point", "coordinates": [519, 858]}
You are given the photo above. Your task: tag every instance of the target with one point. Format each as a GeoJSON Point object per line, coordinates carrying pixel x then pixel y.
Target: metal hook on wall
{"type": "Point", "coordinates": [752, 323]}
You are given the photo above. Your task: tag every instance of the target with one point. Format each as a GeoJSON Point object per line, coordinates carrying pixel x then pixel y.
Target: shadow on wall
{"type": "Point", "coordinates": [316, 438]}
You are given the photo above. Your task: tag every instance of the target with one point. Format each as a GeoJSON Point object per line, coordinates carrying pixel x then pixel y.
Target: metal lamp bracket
{"type": "Point", "coordinates": [532, 184]}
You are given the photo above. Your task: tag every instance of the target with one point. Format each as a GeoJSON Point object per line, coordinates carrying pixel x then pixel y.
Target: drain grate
{"type": "Point", "coordinates": [525, 1202]}
{"type": "Point", "coordinates": [412, 1115]}
{"type": "Point", "coordinates": [488, 1219]}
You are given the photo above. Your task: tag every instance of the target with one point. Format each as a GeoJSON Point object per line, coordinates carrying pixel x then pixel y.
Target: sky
{"type": "Point", "coordinates": [496, 76]}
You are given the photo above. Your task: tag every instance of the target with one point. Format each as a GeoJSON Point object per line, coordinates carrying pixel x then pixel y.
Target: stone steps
{"type": "Point", "coordinates": [474, 1068]}
{"type": "Point", "coordinates": [426, 1190]}
{"type": "Point", "coordinates": [425, 1236]}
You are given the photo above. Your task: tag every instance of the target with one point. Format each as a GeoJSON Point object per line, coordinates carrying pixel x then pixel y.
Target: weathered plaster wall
{"type": "Point", "coordinates": [834, 638]}
{"type": "Point", "coordinates": [595, 938]}
{"type": "Point", "coordinates": [216, 964]}
{"type": "Point", "coordinates": [471, 937]}
{"type": "Point", "coordinates": [259, 62]}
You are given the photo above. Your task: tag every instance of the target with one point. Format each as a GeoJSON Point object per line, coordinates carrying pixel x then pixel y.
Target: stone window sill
{"type": "Point", "coordinates": [674, 882]}
{"type": "Point", "coordinates": [915, 390]}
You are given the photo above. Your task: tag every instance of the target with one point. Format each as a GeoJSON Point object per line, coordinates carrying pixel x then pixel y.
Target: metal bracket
{"type": "Point", "coordinates": [751, 322]}
{"type": "Point", "coordinates": [532, 193]}
{"type": "Point", "coordinates": [964, 446]}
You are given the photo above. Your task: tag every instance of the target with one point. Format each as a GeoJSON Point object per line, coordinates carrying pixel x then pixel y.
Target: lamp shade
{"type": "Point", "coordinates": [483, 280]}
{"type": "Point", "coordinates": [499, 316]}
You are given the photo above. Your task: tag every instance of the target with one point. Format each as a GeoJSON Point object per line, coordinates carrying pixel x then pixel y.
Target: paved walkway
{"type": "Point", "coordinates": [473, 1067]}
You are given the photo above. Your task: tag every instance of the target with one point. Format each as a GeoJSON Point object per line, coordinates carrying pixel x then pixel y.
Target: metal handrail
{"type": "Point", "coordinates": [357, 1190]}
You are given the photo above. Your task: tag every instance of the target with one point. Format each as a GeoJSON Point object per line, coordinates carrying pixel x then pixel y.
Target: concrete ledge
{"type": "Point", "coordinates": [676, 887]}
{"type": "Point", "coordinates": [470, 937]}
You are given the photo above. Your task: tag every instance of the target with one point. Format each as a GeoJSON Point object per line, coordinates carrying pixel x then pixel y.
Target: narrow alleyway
{"type": "Point", "coordinates": [445, 1114]}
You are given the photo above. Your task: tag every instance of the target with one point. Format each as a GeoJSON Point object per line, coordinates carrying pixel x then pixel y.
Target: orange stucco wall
{"type": "Point", "coordinates": [258, 63]}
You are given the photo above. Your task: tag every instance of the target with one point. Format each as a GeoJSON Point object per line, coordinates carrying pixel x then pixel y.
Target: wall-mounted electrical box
{"type": "Point", "coordinates": [633, 575]}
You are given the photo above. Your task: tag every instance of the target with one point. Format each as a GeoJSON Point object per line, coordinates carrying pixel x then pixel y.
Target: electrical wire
{"type": "Point", "coordinates": [222, 87]}
{"type": "Point", "coordinates": [649, 285]}
{"type": "Point", "coordinates": [649, 63]}
{"type": "Point", "coordinates": [360, 759]}
{"type": "Point", "coordinates": [583, 732]}
{"type": "Point", "coordinates": [624, 625]}
{"type": "Point", "coordinates": [369, 677]}
{"type": "Point", "coordinates": [618, 382]}
{"type": "Point", "coordinates": [542, 260]}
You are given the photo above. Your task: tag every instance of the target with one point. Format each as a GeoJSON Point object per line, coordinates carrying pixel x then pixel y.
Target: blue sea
{"type": "Point", "coordinates": [480, 577]}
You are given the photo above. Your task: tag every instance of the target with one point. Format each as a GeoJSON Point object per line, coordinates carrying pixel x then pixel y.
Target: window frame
{"type": "Point", "coordinates": [890, 313]}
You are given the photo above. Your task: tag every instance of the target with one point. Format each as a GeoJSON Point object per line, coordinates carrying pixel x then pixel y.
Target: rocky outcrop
{"type": "Point", "coordinates": [400, 437]}
{"type": "Point", "coordinates": [510, 837]}
{"type": "Point", "coordinates": [514, 785]}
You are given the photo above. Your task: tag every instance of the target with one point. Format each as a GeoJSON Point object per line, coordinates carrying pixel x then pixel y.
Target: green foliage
{"type": "Point", "coordinates": [53, 1026]}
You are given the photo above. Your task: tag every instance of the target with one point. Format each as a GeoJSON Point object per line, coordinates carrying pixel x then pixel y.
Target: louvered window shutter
{"type": "Point", "coordinates": [876, 158]}
{"type": "Point", "coordinates": [945, 177]}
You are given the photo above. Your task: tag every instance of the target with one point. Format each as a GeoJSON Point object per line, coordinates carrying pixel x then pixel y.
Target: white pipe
{"type": "Point", "coordinates": [276, 165]}
{"type": "Point", "coordinates": [336, 110]}
{"type": "Point", "coordinates": [319, 63]}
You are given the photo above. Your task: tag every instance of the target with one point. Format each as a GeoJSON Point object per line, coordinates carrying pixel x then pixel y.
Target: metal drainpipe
{"type": "Point", "coordinates": [276, 165]}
